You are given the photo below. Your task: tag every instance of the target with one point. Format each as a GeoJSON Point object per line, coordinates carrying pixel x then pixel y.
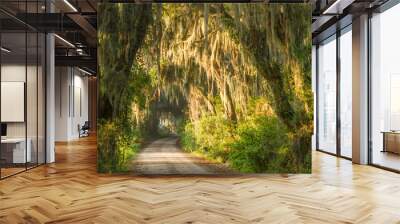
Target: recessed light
{"type": "Point", "coordinates": [70, 5]}
{"type": "Point", "coordinates": [337, 7]}
{"type": "Point", "coordinates": [5, 50]}
{"type": "Point", "coordinates": [84, 71]}
{"type": "Point", "coordinates": [64, 40]}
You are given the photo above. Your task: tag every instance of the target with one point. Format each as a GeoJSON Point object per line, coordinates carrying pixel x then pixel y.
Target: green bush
{"type": "Point", "coordinates": [118, 143]}
{"type": "Point", "coordinates": [187, 137]}
{"type": "Point", "coordinates": [210, 136]}
{"type": "Point", "coordinates": [214, 135]}
{"type": "Point", "coordinates": [262, 145]}
{"type": "Point", "coordinates": [259, 144]}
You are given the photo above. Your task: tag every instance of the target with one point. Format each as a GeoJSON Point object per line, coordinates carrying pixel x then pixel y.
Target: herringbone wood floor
{"type": "Point", "coordinates": [70, 191]}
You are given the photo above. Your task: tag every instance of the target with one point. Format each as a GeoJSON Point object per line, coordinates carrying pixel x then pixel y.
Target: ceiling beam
{"type": "Point", "coordinates": [49, 22]}
{"type": "Point", "coordinates": [84, 24]}
{"type": "Point", "coordinates": [81, 61]}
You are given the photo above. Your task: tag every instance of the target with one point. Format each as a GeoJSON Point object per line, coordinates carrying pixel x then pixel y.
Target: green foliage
{"type": "Point", "coordinates": [273, 48]}
{"type": "Point", "coordinates": [210, 136]}
{"type": "Point", "coordinates": [262, 145]}
{"type": "Point", "coordinates": [122, 30]}
{"type": "Point", "coordinates": [188, 137]}
{"type": "Point", "coordinates": [124, 82]}
{"type": "Point", "coordinates": [238, 76]}
{"type": "Point", "coordinates": [214, 134]}
{"type": "Point", "coordinates": [259, 144]}
{"type": "Point", "coordinates": [118, 143]}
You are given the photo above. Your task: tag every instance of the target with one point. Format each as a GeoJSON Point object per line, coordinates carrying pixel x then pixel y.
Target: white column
{"type": "Point", "coordinates": [62, 103]}
{"type": "Point", "coordinates": [313, 74]}
{"type": "Point", "coordinates": [50, 94]}
{"type": "Point", "coordinates": [360, 90]}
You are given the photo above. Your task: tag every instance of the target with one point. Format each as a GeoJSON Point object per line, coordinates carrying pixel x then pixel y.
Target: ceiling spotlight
{"type": "Point", "coordinates": [80, 51]}
{"type": "Point", "coordinates": [70, 5]}
{"type": "Point", "coordinates": [64, 40]}
{"type": "Point", "coordinates": [5, 50]}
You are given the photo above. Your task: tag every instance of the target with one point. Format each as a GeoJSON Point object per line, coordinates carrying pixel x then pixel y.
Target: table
{"type": "Point", "coordinates": [391, 141]}
{"type": "Point", "coordinates": [13, 150]}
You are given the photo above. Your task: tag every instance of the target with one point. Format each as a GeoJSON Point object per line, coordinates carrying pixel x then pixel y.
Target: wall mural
{"type": "Point", "coordinates": [197, 89]}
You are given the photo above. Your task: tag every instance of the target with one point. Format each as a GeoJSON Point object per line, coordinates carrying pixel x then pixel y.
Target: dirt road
{"type": "Point", "coordinates": [164, 157]}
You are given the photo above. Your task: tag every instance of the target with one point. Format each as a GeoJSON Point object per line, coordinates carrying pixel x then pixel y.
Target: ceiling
{"type": "Point", "coordinates": [75, 23]}
{"type": "Point", "coordinates": [331, 15]}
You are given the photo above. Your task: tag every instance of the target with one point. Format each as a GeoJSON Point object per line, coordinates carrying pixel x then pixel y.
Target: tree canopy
{"type": "Point", "coordinates": [232, 80]}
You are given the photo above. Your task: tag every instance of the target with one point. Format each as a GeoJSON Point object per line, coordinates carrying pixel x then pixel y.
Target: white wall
{"type": "Point", "coordinates": [80, 109]}
{"type": "Point", "coordinates": [71, 102]}
{"type": "Point", "coordinates": [62, 82]}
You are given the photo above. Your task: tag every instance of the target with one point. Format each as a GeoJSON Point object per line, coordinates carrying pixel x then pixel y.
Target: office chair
{"type": "Point", "coordinates": [84, 130]}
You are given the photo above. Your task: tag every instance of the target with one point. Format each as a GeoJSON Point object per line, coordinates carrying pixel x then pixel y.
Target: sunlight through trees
{"type": "Point", "coordinates": [233, 81]}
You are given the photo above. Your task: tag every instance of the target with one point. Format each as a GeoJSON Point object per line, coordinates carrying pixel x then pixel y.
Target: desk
{"type": "Point", "coordinates": [391, 141]}
{"type": "Point", "coordinates": [13, 150]}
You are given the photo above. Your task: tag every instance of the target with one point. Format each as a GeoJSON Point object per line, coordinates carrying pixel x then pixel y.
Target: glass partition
{"type": "Point", "coordinates": [346, 92]}
{"type": "Point", "coordinates": [22, 88]}
{"type": "Point", "coordinates": [385, 89]}
{"type": "Point", "coordinates": [327, 95]}
{"type": "Point", "coordinates": [14, 153]}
